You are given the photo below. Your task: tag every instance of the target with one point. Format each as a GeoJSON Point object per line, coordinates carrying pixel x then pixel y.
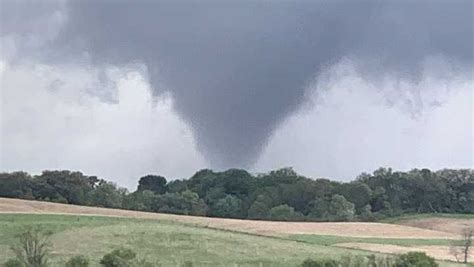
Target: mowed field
{"type": "Point", "coordinates": [173, 240]}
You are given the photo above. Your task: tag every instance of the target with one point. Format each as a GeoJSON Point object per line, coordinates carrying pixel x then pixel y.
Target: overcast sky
{"type": "Point", "coordinates": [120, 89]}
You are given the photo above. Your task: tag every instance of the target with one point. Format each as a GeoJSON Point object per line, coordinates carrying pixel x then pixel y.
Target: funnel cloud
{"type": "Point", "coordinates": [237, 70]}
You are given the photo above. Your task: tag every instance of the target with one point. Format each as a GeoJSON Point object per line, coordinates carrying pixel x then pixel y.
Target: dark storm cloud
{"type": "Point", "coordinates": [238, 69]}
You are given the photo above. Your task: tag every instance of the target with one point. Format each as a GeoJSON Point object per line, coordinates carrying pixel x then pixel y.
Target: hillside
{"type": "Point", "coordinates": [353, 229]}
{"type": "Point", "coordinates": [439, 222]}
{"type": "Point", "coordinates": [242, 242]}
{"type": "Point", "coordinates": [170, 244]}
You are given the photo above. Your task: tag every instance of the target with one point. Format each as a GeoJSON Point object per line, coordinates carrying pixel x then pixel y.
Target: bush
{"type": "Point", "coordinates": [13, 263]}
{"type": "Point", "coordinates": [33, 248]}
{"type": "Point", "coordinates": [320, 263]}
{"type": "Point", "coordinates": [415, 259]}
{"type": "Point", "coordinates": [365, 261]}
{"type": "Point", "coordinates": [78, 261]}
{"type": "Point", "coordinates": [118, 258]}
{"type": "Point", "coordinates": [144, 263]}
{"type": "Point", "coordinates": [353, 261]}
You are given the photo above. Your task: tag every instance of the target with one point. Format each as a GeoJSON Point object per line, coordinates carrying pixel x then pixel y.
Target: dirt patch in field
{"type": "Point", "coordinates": [353, 229]}
{"type": "Point", "coordinates": [449, 225]}
{"type": "Point", "coordinates": [437, 252]}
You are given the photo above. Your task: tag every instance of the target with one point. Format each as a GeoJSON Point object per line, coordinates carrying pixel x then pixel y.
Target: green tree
{"type": "Point", "coordinates": [107, 195]}
{"type": "Point", "coordinates": [340, 209]}
{"type": "Point", "coordinates": [202, 181]}
{"type": "Point", "coordinates": [139, 200]}
{"type": "Point", "coordinates": [319, 209]}
{"type": "Point", "coordinates": [229, 206]}
{"type": "Point", "coordinates": [356, 192]}
{"type": "Point", "coordinates": [366, 213]}
{"type": "Point", "coordinates": [186, 202]}
{"type": "Point", "coordinates": [236, 182]}
{"type": "Point", "coordinates": [284, 173]}
{"type": "Point", "coordinates": [259, 209]}
{"type": "Point", "coordinates": [466, 201]}
{"type": "Point", "coordinates": [193, 203]}
{"type": "Point", "coordinates": [64, 186]}
{"type": "Point", "coordinates": [284, 213]}
{"type": "Point", "coordinates": [176, 186]}
{"type": "Point", "coordinates": [16, 185]}
{"type": "Point", "coordinates": [379, 199]}
{"type": "Point", "coordinates": [153, 183]}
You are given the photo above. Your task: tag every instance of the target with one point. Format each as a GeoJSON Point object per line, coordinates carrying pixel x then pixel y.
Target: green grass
{"type": "Point", "coordinates": [328, 240]}
{"type": "Point", "coordinates": [170, 244]}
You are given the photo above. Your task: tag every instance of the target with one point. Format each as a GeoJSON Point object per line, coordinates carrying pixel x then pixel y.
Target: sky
{"type": "Point", "coordinates": [121, 89]}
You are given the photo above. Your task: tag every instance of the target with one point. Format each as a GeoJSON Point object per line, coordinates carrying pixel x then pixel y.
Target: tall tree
{"type": "Point", "coordinates": [153, 183]}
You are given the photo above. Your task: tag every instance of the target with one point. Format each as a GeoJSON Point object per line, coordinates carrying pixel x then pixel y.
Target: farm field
{"type": "Point", "coordinates": [170, 244]}
{"type": "Point", "coordinates": [270, 228]}
{"type": "Point", "coordinates": [452, 223]}
{"type": "Point", "coordinates": [173, 240]}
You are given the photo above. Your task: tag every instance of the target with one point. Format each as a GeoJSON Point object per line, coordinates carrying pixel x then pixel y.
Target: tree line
{"type": "Point", "coordinates": [277, 195]}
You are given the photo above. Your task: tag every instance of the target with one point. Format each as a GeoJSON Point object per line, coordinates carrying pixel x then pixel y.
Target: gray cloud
{"type": "Point", "coordinates": [352, 129]}
{"type": "Point", "coordinates": [236, 70]}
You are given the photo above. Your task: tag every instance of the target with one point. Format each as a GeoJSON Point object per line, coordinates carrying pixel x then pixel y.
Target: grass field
{"type": "Point", "coordinates": [451, 223]}
{"type": "Point", "coordinates": [270, 228]}
{"type": "Point", "coordinates": [173, 240]}
{"type": "Point", "coordinates": [328, 240]}
{"type": "Point", "coordinates": [170, 244]}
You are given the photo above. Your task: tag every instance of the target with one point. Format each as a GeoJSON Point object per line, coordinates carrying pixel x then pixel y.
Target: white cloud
{"type": "Point", "coordinates": [357, 126]}
{"type": "Point", "coordinates": [50, 120]}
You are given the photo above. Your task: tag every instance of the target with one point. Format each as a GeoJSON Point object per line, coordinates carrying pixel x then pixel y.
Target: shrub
{"type": "Point", "coordinates": [33, 248]}
{"type": "Point", "coordinates": [320, 263]}
{"type": "Point", "coordinates": [353, 261]}
{"type": "Point", "coordinates": [13, 263]}
{"type": "Point", "coordinates": [365, 261]}
{"type": "Point", "coordinates": [415, 259]}
{"type": "Point", "coordinates": [78, 261]}
{"type": "Point", "coordinates": [118, 258]}
{"type": "Point", "coordinates": [144, 263]}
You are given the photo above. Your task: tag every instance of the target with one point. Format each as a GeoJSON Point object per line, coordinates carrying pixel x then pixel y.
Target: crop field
{"type": "Point", "coordinates": [173, 240]}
